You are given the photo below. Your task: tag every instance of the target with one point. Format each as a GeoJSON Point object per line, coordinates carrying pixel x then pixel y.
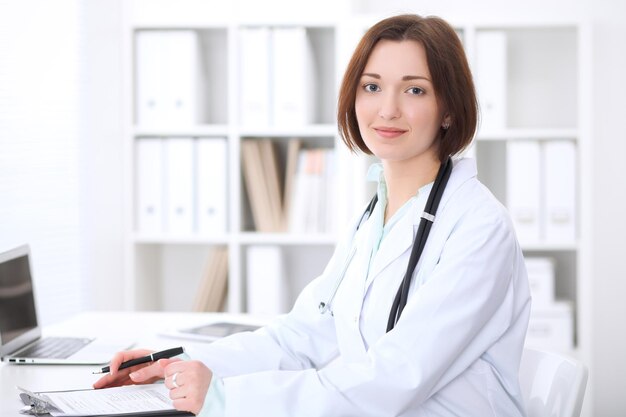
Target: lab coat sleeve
{"type": "Point", "coordinates": [449, 322]}
{"type": "Point", "coordinates": [214, 401]}
{"type": "Point", "coordinates": [301, 339]}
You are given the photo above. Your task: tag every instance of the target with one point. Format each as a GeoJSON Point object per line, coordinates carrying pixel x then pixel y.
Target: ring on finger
{"type": "Point", "coordinates": [174, 380]}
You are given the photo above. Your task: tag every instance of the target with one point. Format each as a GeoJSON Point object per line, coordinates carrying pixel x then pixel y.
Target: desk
{"type": "Point", "coordinates": [140, 327]}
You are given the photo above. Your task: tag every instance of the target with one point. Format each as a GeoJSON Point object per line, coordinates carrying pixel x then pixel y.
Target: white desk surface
{"type": "Point", "coordinates": [142, 328]}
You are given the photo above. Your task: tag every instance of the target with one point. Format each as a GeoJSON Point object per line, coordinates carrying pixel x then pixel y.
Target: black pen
{"type": "Point", "coordinates": [168, 353]}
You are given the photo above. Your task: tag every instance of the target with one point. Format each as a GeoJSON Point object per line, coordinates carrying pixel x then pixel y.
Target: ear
{"type": "Point", "coordinates": [445, 123]}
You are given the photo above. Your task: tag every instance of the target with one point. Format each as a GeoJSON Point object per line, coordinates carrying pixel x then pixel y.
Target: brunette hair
{"type": "Point", "coordinates": [451, 78]}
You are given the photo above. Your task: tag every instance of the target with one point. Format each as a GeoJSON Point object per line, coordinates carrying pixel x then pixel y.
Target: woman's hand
{"type": "Point", "coordinates": [188, 382]}
{"type": "Point", "coordinates": [150, 372]}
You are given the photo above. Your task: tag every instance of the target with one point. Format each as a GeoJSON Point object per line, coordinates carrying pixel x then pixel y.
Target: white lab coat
{"type": "Point", "coordinates": [454, 352]}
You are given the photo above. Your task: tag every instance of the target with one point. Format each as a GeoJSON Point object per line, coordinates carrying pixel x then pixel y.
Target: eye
{"type": "Point", "coordinates": [371, 88]}
{"type": "Point", "coordinates": [415, 90]}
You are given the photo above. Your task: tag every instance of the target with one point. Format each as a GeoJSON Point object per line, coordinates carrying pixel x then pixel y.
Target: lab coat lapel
{"type": "Point", "coordinates": [400, 238]}
{"type": "Point", "coordinates": [397, 242]}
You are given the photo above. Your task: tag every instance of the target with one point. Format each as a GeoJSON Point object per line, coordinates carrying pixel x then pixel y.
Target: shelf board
{"type": "Point", "coordinates": [552, 247]}
{"type": "Point", "coordinates": [166, 239]}
{"type": "Point", "coordinates": [534, 134]}
{"type": "Point", "coordinates": [287, 238]}
{"type": "Point", "coordinates": [294, 239]}
{"type": "Point", "coordinates": [244, 238]}
{"type": "Point", "coordinates": [315, 130]}
{"type": "Point", "coordinates": [197, 130]}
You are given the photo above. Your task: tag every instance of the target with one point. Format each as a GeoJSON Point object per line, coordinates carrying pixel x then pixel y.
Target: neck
{"type": "Point", "coordinates": [405, 178]}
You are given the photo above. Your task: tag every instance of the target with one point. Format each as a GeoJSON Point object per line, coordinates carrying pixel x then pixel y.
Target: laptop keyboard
{"type": "Point", "coordinates": [54, 347]}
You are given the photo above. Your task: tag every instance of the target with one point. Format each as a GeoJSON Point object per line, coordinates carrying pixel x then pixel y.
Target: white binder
{"type": "Point", "coordinates": [168, 77]}
{"type": "Point", "coordinates": [179, 185]}
{"type": "Point", "coordinates": [491, 78]}
{"type": "Point", "coordinates": [149, 183]}
{"type": "Point", "coordinates": [150, 95]}
{"type": "Point", "coordinates": [294, 95]}
{"type": "Point", "coordinates": [267, 290]}
{"type": "Point", "coordinates": [523, 190]}
{"type": "Point", "coordinates": [559, 162]}
{"type": "Point", "coordinates": [182, 76]}
{"type": "Point", "coordinates": [255, 76]}
{"type": "Point", "coordinates": [212, 180]}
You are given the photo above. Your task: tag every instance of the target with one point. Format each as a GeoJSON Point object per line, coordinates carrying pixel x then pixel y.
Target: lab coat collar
{"type": "Point", "coordinates": [400, 238]}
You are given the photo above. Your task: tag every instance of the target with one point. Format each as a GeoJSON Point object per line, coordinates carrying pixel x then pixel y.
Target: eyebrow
{"type": "Point", "coordinates": [405, 78]}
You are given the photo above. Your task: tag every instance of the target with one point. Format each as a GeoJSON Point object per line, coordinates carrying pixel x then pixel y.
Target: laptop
{"type": "Point", "coordinates": [20, 333]}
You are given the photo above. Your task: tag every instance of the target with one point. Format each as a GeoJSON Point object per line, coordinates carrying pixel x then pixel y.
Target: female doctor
{"type": "Point", "coordinates": [361, 339]}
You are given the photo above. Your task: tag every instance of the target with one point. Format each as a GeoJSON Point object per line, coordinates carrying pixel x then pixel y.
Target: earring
{"type": "Point", "coordinates": [445, 125]}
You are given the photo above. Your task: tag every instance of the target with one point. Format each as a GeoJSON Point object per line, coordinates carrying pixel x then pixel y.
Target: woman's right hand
{"type": "Point", "coordinates": [153, 370]}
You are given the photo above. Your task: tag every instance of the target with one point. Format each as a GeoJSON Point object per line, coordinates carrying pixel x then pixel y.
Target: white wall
{"type": "Point", "coordinates": [101, 152]}
{"type": "Point", "coordinates": [39, 148]}
{"type": "Point", "coordinates": [477, 9]}
{"type": "Point", "coordinates": [61, 149]}
{"type": "Point", "coordinates": [609, 207]}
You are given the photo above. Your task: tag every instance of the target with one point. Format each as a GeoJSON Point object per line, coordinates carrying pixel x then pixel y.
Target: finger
{"type": "Point", "coordinates": [173, 371]}
{"type": "Point", "coordinates": [188, 373]}
{"type": "Point", "coordinates": [153, 371]}
{"type": "Point", "coordinates": [173, 381]}
{"type": "Point", "coordinates": [161, 365]}
{"type": "Point", "coordinates": [116, 378]}
{"type": "Point", "coordinates": [124, 356]}
{"type": "Point", "coordinates": [177, 393]}
{"type": "Point", "coordinates": [164, 363]}
{"type": "Point", "coordinates": [174, 365]}
{"type": "Point", "coordinates": [109, 381]}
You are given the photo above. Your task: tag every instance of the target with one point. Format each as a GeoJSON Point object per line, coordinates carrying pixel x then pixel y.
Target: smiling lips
{"type": "Point", "coordinates": [389, 132]}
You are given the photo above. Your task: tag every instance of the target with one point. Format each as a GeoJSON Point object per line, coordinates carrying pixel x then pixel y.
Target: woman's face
{"type": "Point", "coordinates": [396, 106]}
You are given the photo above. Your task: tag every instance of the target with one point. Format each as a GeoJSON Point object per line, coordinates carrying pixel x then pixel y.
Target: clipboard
{"type": "Point", "coordinates": [128, 400]}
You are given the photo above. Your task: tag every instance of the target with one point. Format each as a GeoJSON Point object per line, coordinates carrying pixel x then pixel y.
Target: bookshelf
{"type": "Point", "coordinates": [159, 259]}
{"type": "Point", "coordinates": [543, 72]}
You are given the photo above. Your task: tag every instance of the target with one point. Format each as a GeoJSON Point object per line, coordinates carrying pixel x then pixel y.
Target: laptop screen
{"type": "Point", "coordinates": [17, 301]}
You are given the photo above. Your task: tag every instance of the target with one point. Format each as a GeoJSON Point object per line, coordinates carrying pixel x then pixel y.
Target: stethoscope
{"type": "Point", "coordinates": [427, 219]}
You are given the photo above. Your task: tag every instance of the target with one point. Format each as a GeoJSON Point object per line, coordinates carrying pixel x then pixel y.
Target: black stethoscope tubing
{"type": "Point", "coordinates": [419, 242]}
{"type": "Point", "coordinates": [428, 217]}
{"type": "Point", "coordinates": [434, 198]}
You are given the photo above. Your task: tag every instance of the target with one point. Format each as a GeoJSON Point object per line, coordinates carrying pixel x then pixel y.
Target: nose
{"type": "Point", "coordinates": [389, 108]}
